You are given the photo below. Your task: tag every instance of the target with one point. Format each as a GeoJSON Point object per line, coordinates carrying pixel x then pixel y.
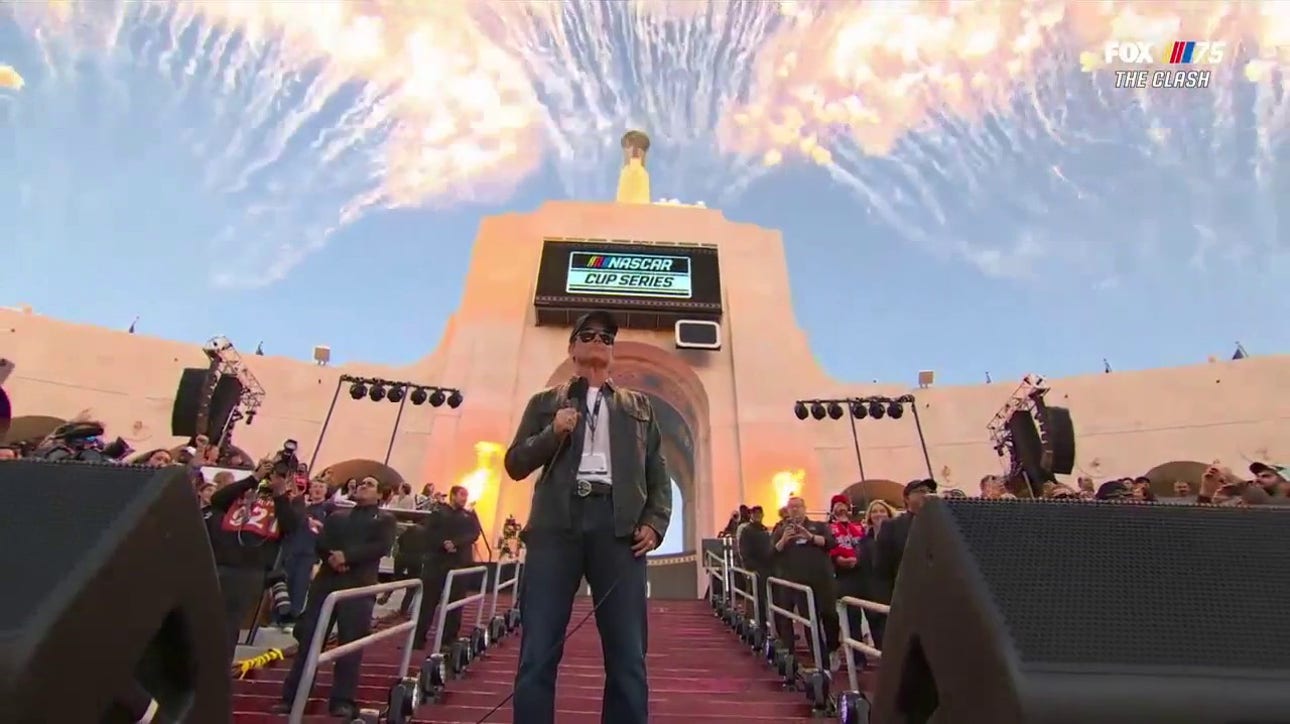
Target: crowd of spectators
{"type": "Point", "coordinates": [855, 548]}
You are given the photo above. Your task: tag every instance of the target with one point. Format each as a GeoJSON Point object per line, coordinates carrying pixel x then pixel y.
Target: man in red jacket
{"type": "Point", "coordinates": [846, 557]}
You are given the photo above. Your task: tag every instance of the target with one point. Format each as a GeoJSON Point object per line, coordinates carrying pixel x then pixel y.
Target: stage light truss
{"type": "Point", "coordinates": [228, 361]}
{"type": "Point", "coordinates": [873, 407]}
{"type": "Point", "coordinates": [1028, 397]}
{"type": "Point", "coordinates": [377, 389]}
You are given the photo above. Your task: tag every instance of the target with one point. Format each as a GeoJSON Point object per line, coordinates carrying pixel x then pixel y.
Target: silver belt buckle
{"type": "Point", "coordinates": [583, 488]}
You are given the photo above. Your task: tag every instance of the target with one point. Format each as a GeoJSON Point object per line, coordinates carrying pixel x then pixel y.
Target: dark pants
{"type": "Point", "coordinates": [353, 619]}
{"type": "Point", "coordinates": [826, 612]}
{"type": "Point", "coordinates": [762, 599]}
{"type": "Point", "coordinates": [554, 568]}
{"type": "Point", "coordinates": [241, 589]}
{"type": "Point", "coordinates": [850, 584]}
{"type": "Point", "coordinates": [434, 573]}
{"type": "Point", "coordinates": [405, 568]}
{"type": "Point", "coordinates": [299, 570]}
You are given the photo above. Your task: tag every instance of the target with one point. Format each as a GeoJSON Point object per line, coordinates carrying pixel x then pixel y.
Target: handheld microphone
{"type": "Point", "coordinates": [577, 395]}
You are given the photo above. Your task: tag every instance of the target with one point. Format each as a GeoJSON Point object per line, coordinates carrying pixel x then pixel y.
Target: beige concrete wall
{"type": "Point", "coordinates": [740, 398]}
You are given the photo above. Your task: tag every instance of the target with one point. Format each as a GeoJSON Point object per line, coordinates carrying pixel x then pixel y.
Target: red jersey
{"type": "Point", "coordinates": [257, 519]}
{"type": "Point", "coordinates": [848, 534]}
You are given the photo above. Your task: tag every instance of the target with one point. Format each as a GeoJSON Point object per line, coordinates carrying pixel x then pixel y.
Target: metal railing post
{"type": "Point", "coordinates": [451, 605]}
{"type": "Point", "coordinates": [749, 595]}
{"type": "Point", "coordinates": [849, 641]}
{"type": "Point", "coordinates": [315, 657]}
{"type": "Point", "coordinates": [499, 585]}
{"type": "Point", "coordinates": [810, 621]}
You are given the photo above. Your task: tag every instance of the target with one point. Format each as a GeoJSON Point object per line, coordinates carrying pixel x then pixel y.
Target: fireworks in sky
{"type": "Point", "coordinates": [926, 110]}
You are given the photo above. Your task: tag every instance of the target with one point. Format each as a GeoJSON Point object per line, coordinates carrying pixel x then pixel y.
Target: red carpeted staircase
{"type": "Point", "coordinates": [698, 672]}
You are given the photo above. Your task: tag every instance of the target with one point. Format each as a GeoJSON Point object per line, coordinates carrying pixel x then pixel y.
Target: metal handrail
{"type": "Point", "coordinates": [451, 605]}
{"type": "Point", "coordinates": [500, 585]}
{"type": "Point", "coordinates": [317, 657]}
{"type": "Point", "coordinates": [718, 572]}
{"type": "Point", "coordinates": [751, 593]}
{"type": "Point", "coordinates": [850, 641]}
{"type": "Point", "coordinates": [810, 621]}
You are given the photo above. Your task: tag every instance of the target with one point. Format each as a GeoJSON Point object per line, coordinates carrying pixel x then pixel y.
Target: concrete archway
{"type": "Point", "coordinates": [31, 428]}
{"type": "Point", "coordinates": [1164, 475]}
{"type": "Point", "coordinates": [681, 404]}
{"type": "Point", "coordinates": [361, 467]}
{"type": "Point", "coordinates": [888, 491]}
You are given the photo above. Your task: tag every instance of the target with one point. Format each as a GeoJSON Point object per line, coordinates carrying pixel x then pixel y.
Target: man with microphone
{"type": "Point", "coordinates": [602, 501]}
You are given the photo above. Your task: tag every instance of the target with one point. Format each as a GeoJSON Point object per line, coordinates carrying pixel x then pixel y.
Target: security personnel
{"type": "Point", "coordinates": [802, 556]}
{"type": "Point", "coordinates": [351, 545]}
{"type": "Point", "coordinates": [449, 536]}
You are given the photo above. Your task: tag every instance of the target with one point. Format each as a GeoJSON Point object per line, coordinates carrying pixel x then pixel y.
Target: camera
{"type": "Point", "coordinates": [286, 462]}
{"type": "Point", "coordinates": [74, 441]}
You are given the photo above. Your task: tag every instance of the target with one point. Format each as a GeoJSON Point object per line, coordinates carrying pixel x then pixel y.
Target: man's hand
{"type": "Point", "coordinates": [844, 562]}
{"type": "Point", "coordinates": [646, 540]}
{"type": "Point", "coordinates": [450, 546]}
{"type": "Point", "coordinates": [263, 469]}
{"type": "Point", "coordinates": [566, 418]}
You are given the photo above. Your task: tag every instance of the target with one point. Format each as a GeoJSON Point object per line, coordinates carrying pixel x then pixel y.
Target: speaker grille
{"type": "Point", "coordinates": [66, 512]}
{"type": "Point", "coordinates": [1150, 585]}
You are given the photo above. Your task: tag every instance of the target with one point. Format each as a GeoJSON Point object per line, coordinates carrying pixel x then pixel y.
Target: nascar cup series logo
{"type": "Point", "coordinates": [629, 275]}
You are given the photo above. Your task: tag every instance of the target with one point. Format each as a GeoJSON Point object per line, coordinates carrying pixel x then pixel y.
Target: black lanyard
{"type": "Point", "coordinates": [593, 417]}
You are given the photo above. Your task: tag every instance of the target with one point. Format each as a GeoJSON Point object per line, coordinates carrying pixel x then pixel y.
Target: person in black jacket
{"type": "Point", "coordinates": [890, 546]}
{"type": "Point", "coordinates": [802, 556]}
{"type": "Point", "coordinates": [757, 554]}
{"type": "Point", "coordinates": [408, 555]}
{"type": "Point", "coordinates": [872, 586]}
{"type": "Point", "coordinates": [351, 545]}
{"type": "Point", "coordinates": [249, 519]}
{"type": "Point", "coordinates": [449, 537]}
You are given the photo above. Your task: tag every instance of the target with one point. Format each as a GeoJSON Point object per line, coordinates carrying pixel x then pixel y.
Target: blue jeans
{"type": "Point", "coordinates": [555, 566]}
{"type": "Point", "coordinates": [299, 570]}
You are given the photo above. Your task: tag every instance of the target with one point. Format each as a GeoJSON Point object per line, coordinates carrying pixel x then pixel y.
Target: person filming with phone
{"type": "Point", "coordinates": [248, 521]}
{"type": "Point", "coordinates": [802, 550]}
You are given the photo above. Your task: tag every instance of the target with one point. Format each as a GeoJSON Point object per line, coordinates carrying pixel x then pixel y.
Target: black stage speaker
{"type": "Point", "coordinates": [1028, 449]}
{"type": "Point", "coordinates": [1057, 612]}
{"type": "Point", "coordinates": [188, 400]}
{"type": "Point", "coordinates": [228, 391]}
{"type": "Point", "coordinates": [110, 592]}
{"type": "Point", "coordinates": [1058, 439]}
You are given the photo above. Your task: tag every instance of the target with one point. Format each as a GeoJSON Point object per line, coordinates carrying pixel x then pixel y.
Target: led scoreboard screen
{"type": "Point", "coordinates": [662, 278]}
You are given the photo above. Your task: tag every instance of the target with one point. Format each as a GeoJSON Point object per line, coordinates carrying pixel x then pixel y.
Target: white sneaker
{"type": "Point", "coordinates": [835, 660]}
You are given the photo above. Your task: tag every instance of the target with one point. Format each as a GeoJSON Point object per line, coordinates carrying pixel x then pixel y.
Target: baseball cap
{"type": "Point", "coordinates": [1112, 490]}
{"type": "Point", "coordinates": [1256, 468]}
{"type": "Point", "coordinates": [600, 317]}
{"type": "Point", "coordinates": [926, 484]}
{"type": "Point", "coordinates": [839, 498]}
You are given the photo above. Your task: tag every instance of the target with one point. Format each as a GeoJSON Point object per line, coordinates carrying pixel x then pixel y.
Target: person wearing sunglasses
{"type": "Point", "coordinates": [602, 501]}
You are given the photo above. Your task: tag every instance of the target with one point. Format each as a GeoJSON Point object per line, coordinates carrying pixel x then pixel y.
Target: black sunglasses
{"type": "Point", "coordinates": [589, 335]}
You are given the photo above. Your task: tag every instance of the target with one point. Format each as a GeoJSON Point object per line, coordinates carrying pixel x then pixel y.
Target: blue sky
{"type": "Point", "coordinates": [1143, 230]}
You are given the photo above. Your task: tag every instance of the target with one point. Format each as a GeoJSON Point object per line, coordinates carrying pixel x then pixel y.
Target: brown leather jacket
{"type": "Point", "coordinates": [642, 486]}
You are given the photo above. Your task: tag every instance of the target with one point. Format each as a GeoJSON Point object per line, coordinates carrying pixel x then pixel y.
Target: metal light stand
{"type": "Point", "coordinates": [850, 406]}
{"type": "Point", "coordinates": [450, 395]}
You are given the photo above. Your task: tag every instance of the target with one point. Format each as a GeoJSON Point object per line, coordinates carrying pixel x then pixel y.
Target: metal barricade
{"type": "Point", "coordinates": [500, 585]}
{"type": "Point", "coordinates": [750, 595]}
{"type": "Point", "coordinates": [811, 621]}
{"type": "Point", "coordinates": [317, 657]}
{"type": "Point", "coordinates": [849, 641]}
{"type": "Point", "coordinates": [450, 605]}
{"type": "Point", "coordinates": [715, 566]}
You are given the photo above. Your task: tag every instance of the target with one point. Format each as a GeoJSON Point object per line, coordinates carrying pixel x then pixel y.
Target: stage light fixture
{"type": "Point", "coordinates": [395, 394]}
{"type": "Point", "coordinates": [377, 393]}
{"type": "Point", "coordinates": [876, 410]}
{"type": "Point", "coordinates": [895, 410]}
{"type": "Point", "coordinates": [835, 411]}
{"type": "Point", "coordinates": [858, 410]}
{"type": "Point", "coordinates": [437, 398]}
{"type": "Point", "coordinates": [358, 390]}
{"type": "Point", "coordinates": [800, 410]}
{"type": "Point", "coordinates": [817, 411]}
{"type": "Point", "coordinates": [418, 396]}
{"type": "Point", "coordinates": [454, 399]}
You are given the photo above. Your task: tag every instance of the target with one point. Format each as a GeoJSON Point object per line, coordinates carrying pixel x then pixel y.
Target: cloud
{"type": "Point", "coordinates": [678, 202]}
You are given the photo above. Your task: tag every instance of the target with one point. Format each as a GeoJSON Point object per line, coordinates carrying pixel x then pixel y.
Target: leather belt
{"type": "Point", "coordinates": [591, 488]}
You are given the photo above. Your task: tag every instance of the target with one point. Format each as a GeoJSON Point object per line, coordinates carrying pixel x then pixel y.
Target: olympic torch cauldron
{"type": "Point", "coordinates": [633, 180]}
